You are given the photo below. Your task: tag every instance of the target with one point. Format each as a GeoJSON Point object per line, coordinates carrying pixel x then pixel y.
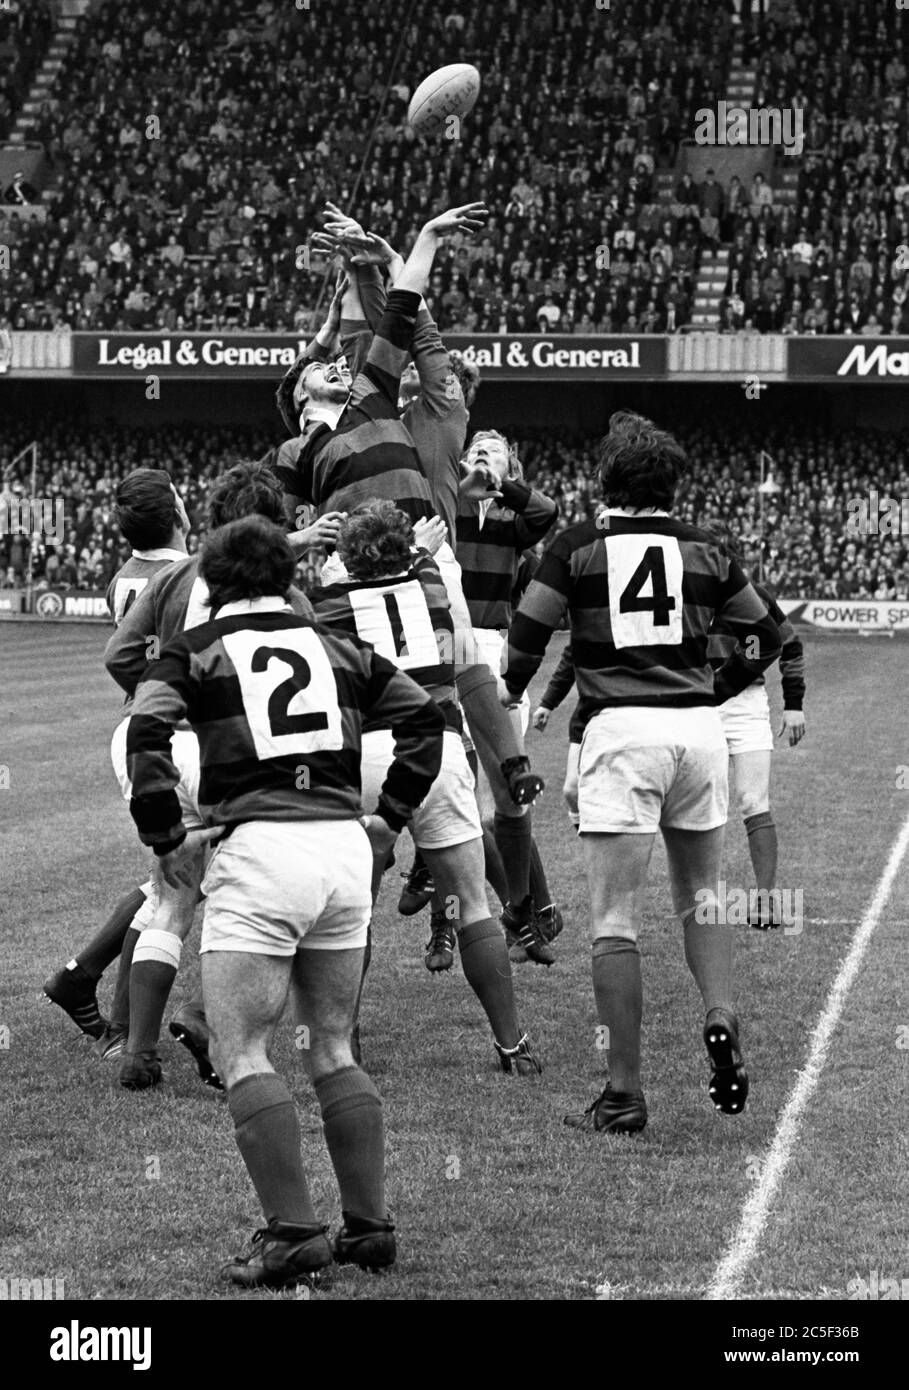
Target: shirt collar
{"type": "Point", "coordinates": [321, 414]}
{"type": "Point", "coordinates": [634, 511]}
{"type": "Point", "coordinates": [268, 603]}
{"type": "Point", "coordinates": [162, 552]}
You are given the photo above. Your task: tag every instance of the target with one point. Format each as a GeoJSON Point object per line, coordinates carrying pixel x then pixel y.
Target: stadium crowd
{"type": "Point", "coordinates": [24, 35]}
{"type": "Point", "coordinates": [807, 550]}
{"type": "Point", "coordinates": [194, 147]}
{"type": "Point", "coordinates": [836, 260]}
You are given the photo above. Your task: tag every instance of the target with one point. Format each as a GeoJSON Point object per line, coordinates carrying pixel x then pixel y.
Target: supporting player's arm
{"type": "Point", "coordinates": [792, 670]}
{"type": "Point", "coordinates": [534, 513]}
{"type": "Point", "coordinates": [560, 682]}
{"type": "Point", "coordinates": [541, 611]}
{"type": "Point", "coordinates": [759, 641]}
{"type": "Point", "coordinates": [160, 703]}
{"type": "Point", "coordinates": [418, 726]}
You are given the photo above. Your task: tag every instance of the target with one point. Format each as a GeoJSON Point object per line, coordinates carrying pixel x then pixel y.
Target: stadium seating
{"type": "Point", "coordinates": [186, 181]}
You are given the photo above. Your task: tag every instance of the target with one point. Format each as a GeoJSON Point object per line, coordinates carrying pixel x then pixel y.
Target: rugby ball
{"type": "Point", "coordinates": [449, 91]}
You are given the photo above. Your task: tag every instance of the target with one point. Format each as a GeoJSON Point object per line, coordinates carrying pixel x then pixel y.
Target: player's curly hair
{"type": "Point", "coordinates": [247, 558]}
{"type": "Point", "coordinates": [246, 489]}
{"type": "Point", "coordinates": [468, 375]}
{"type": "Point", "coordinates": [146, 509]}
{"type": "Point", "coordinates": [721, 531]}
{"type": "Point", "coordinates": [640, 464]}
{"type": "Point", "coordinates": [515, 466]}
{"type": "Point", "coordinates": [375, 540]}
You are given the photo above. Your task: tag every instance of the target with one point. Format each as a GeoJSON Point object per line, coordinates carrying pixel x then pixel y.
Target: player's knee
{"type": "Point", "coordinates": [753, 802]}
{"type": "Point", "coordinates": [608, 927]}
{"type": "Point", "coordinates": [330, 1052]}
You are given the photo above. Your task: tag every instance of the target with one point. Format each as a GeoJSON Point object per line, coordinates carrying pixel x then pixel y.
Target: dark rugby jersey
{"type": "Point", "coordinates": [175, 601]}
{"type": "Point", "coordinates": [407, 619]}
{"type": "Point", "coordinates": [131, 578]}
{"type": "Point", "coordinates": [489, 548]}
{"type": "Point", "coordinates": [722, 644]}
{"type": "Point", "coordinates": [278, 705]}
{"type": "Point", "coordinates": [370, 452]}
{"type": "Point", "coordinates": [641, 593]}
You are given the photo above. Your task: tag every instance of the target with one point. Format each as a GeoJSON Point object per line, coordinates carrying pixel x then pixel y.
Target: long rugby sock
{"type": "Point", "coordinates": [355, 1137]}
{"type": "Point", "coordinates": [708, 951]}
{"type": "Point", "coordinates": [513, 836]}
{"type": "Point", "coordinates": [495, 869]}
{"type": "Point", "coordinates": [619, 998]}
{"type": "Point", "coordinates": [119, 1009]}
{"type": "Point", "coordinates": [487, 969]}
{"type": "Point", "coordinates": [762, 846]}
{"type": "Point", "coordinates": [106, 945]}
{"type": "Point", "coordinates": [155, 961]}
{"type": "Point", "coordinates": [539, 888]}
{"type": "Point", "coordinates": [267, 1131]}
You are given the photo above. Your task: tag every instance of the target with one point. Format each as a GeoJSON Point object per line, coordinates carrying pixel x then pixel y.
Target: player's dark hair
{"type": "Point", "coordinates": [246, 489]}
{"type": "Point", "coordinates": [375, 540]}
{"type": "Point", "coordinates": [721, 531]}
{"type": "Point", "coordinates": [247, 558]}
{"type": "Point", "coordinates": [640, 464]}
{"type": "Point", "coordinates": [468, 375]}
{"type": "Point", "coordinates": [146, 508]}
{"type": "Point", "coordinates": [284, 396]}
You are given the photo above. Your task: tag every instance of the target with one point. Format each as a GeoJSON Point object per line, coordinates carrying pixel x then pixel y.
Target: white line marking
{"type": "Point", "coordinates": [731, 1269]}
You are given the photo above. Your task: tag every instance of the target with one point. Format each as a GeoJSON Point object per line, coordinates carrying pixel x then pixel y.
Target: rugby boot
{"type": "Point", "coordinates": [728, 1086]}
{"type": "Point", "coordinates": [613, 1112]}
{"type": "Point", "coordinates": [366, 1242]}
{"type": "Point", "coordinates": [282, 1256]}
{"type": "Point", "coordinates": [76, 993]}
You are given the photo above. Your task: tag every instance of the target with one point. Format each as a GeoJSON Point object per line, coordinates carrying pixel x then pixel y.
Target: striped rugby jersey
{"type": "Point", "coordinates": [176, 601]}
{"type": "Point", "coordinates": [641, 592]}
{"type": "Point", "coordinates": [490, 542]}
{"type": "Point", "coordinates": [370, 452]}
{"type": "Point", "coordinates": [722, 643]}
{"type": "Point", "coordinates": [560, 682]}
{"type": "Point", "coordinates": [407, 619]}
{"type": "Point", "coordinates": [132, 577]}
{"type": "Point", "coordinates": [278, 705]}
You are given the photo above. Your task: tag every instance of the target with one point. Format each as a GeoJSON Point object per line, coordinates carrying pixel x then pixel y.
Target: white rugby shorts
{"type": "Point", "coordinates": [642, 768]}
{"type": "Point", "coordinates": [274, 887]}
{"type": "Point", "coordinates": [746, 721]}
{"type": "Point", "coordinates": [449, 815]}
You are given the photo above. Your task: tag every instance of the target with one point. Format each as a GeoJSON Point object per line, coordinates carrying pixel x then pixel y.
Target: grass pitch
{"type": "Point", "coordinates": [143, 1196]}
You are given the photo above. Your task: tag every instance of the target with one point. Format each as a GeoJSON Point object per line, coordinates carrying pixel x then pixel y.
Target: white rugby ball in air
{"type": "Point", "coordinates": [449, 91]}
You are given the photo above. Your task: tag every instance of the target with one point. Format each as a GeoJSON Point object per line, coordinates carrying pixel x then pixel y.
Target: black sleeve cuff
{"type": "Point", "coordinates": [169, 846]}
{"type": "Point", "coordinates": [392, 819]}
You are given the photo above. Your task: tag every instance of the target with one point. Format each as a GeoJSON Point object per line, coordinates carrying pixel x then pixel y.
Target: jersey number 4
{"type": "Point", "coordinates": [290, 696]}
{"type": "Point", "coordinates": [645, 590]}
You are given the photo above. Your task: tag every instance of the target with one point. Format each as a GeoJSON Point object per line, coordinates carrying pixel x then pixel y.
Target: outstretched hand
{"type": "Point", "coordinates": [469, 218]}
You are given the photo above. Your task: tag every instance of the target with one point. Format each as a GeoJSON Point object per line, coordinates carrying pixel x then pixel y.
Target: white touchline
{"type": "Point", "coordinates": [741, 1250]}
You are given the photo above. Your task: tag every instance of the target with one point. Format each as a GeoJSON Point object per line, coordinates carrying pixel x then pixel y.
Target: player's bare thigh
{"type": "Point", "coordinates": [244, 998]}
{"type": "Point", "coordinates": [325, 988]}
{"type": "Point", "coordinates": [695, 858]}
{"type": "Point", "coordinates": [751, 780]}
{"type": "Point", "coordinates": [616, 868]}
